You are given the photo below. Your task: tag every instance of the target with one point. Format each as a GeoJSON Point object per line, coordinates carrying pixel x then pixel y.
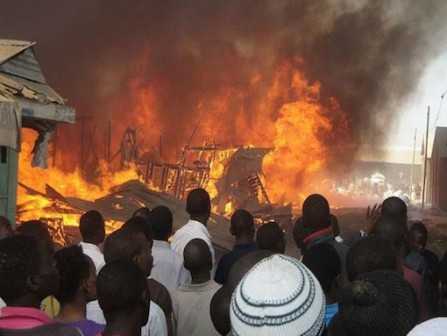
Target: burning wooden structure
{"type": "Point", "coordinates": [26, 100]}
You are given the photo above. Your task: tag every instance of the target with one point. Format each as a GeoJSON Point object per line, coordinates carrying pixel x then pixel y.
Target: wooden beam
{"type": "Point", "coordinates": [51, 111]}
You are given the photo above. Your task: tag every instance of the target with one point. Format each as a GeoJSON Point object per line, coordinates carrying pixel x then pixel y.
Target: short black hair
{"type": "Point", "coordinates": [316, 212]}
{"type": "Point", "coordinates": [139, 224]}
{"type": "Point", "coordinates": [122, 243]}
{"type": "Point", "coordinates": [161, 220]}
{"type": "Point", "coordinates": [38, 230]}
{"type": "Point", "coordinates": [197, 256]}
{"type": "Point", "coordinates": [73, 268]}
{"type": "Point", "coordinates": [393, 229]}
{"type": "Point", "coordinates": [300, 232]}
{"type": "Point", "coordinates": [142, 212]}
{"type": "Point", "coordinates": [270, 237]}
{"type": "Point", "coordinates": [120, 286]}
{"type": "Point", "coordinates": [242, 223]}
{"type": "Point", "coordinates": [394, 207]}
{"type": "Point", "coordinates": [19, 258]}
{"type": "Point", "coordinates": [90, 224]}
{"type": "Point", "coordinates": [369, 254]}
{"type": "Point", "coordinates": [418, 227]}
{"type": "Point", "coordinates": [323, 261]}
{"type": "Point", "coordinates": [198, 202]}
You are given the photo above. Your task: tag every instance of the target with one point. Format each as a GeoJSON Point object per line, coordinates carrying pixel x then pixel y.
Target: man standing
{"type": "Point", "coordinates": [198, 206]}
{"type": "Point", "coordinates": [92, 228]}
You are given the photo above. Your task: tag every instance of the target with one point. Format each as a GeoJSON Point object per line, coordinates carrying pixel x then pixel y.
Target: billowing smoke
{"type": "Point", "coordinates": [367, 55]}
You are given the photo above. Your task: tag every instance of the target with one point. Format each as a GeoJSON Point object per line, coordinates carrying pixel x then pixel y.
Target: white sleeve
{"type": "Point", "coordinates": [156, 325]}
{"type": "Point", "coordinates": [94, 312]}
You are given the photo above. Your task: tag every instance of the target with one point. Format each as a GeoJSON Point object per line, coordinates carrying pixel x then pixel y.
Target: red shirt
{"type": "Point", "coordinates": [418, 285]}
{"type": "Point", "coordinates": [22, 318]}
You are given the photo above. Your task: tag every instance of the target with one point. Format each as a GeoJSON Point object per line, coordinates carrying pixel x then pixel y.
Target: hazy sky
{"type": "Point", "coordinates": [413, 113]}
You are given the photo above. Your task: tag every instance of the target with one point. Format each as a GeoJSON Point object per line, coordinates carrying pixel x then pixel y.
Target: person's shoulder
{"type": "Point", "coordinates": [56, 329]}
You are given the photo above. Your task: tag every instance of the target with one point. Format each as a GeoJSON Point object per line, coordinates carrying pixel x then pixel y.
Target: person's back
{"type": "Point", "coordinates": [198, 206]}
{"type": "Point", "coordinates": [191, 302]}
{"type": "Point", "coordinates": [324, 262]}
{"type": "Point", "coordinates": [77, 287]}
{"type": "Point", "coordinates": [92, 228]}
{"type": "Point", "coordinates": [168, 265]}
{"type": "Point", "coordinates": [124, 297]}
{"type": "Point", "coordinates": [242, 227]}
{"type": "Point", "coordinates": [27, 276]}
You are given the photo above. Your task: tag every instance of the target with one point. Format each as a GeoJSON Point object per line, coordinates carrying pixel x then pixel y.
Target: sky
{"type": "Point", "coordinates": [412, 114]}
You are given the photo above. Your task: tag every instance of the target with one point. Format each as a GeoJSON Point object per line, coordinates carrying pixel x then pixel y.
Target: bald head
{"type": "Point", "coordinates": [197, 258]}
{"type": "Point", "coordinates": [316, 212]}
{"type": "Point", "coordinates": [394, 229]}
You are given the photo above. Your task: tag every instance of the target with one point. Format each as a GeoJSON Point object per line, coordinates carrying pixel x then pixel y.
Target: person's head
{"type": "Point", "coordinates": [139, 224]}
{"type": "Point", "coordinates": [5, 228]}
{"type": "Point", "coordinates": [220, 303]}
{"type": "Point", "coordinates": [418, 236]}
{"type": "Point", "coordinates": [27, 272]}
{"type": "Point", "coordinates": [123, 293]}
{"type": "Point", "coordinates": [316, 212]}
{"type": "Point", "coordinates": [143, 212]}
{"type": "Point", "coordinates": [242, 224]}
{"type": "Point", "coordinates": [376, 303]}
{"type": "Point", "coordinates": [198, 260]}
{"type": "Point", "coordinates": [129, 244]}
{"type": "Point", "coordinates": [300, 232]}
{"type": "Point", "coordinates": [38, 230]}
{"type": "Point", "coordinates": [394, 207]}
{"type": "Point", "coordinates": [323, 261]}
{"type": "Point", "coordinates": [77, 275]}
{"type": "Point", "coordinates": [161, 220]}
{"type": "Point", "coordinates": [270, 237]}
{"type": "Point", "coordinates": [278, 296]}
{"type": "Point", "coordinates": [394, 229]}
{"type": "Point", "coordinates": [369, 254]}
{"type": "Point", "coordinates": [92, 227]}
{"type": "Point", "coordinates": [198, 205]}
{"type": "Point", "coordinates": [335, 226]}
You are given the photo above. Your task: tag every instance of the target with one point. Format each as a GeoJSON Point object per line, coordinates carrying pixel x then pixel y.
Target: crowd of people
{"type": "Point", "coordinates": [145, 279]}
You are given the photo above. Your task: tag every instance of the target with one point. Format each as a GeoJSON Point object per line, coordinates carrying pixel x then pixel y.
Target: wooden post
{"type": "Point", "coordinates": [412, 165]}
{"type": "Point", "coordinates": [83, 131]}
{"type": "Point", "coordinates": [425, 160]}
{"type": "Point", "coordinates": [108, 141]}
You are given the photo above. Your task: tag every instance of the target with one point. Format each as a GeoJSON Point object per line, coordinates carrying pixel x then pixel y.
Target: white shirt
{"type": "Point", "coordinates": [168, 266]}
{"type": "Point", "coordinates": [94, 253]}
{"type": "Point", "coordinates": [191, 309]}
{"type": "Point", "coordinates": [192, 229]}
{"type": "Point", "coordinates": [155, 326]}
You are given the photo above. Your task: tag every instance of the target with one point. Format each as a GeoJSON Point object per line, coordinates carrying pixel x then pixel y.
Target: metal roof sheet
{"type": "Point", "coordinates": [440, 142]}
{"type": "Point", "coordinates": [10, 48]}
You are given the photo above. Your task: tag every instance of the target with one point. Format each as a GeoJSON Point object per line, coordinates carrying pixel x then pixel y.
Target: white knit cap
{"type": "Point", "coordinates": [278, 296]}
{"type": "Point", "coordinates": [433, 327]}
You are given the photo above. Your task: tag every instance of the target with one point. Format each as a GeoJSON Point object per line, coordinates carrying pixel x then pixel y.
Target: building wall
{"type": "Point", "coordinates": [9, 161]}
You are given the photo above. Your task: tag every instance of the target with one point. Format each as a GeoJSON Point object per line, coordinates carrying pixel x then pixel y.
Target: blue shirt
{"type": "Point", "coordinates": [227, 260]}
{"type": "Point", "coordinates": [331, 310]}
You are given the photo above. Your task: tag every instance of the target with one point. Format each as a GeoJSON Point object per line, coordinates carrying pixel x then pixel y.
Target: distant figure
{"type": "Point", "coordinates": [5, 228]}
{"type": "Point", "coordinates": [300, 233]}
{"type": "Point", "coordinates": [198, 206]}
{"type": "Point", "coordinates": [278, 296]}
{"type": "Point", "coordinates": [77, 286]}
{"type": "Point", "coordinates": [124, 297]}
{"type": "Point", "coordinates": [143, 212]}
{"type": "Point", "coordinates": [324, 262]}
{"type": "Point", "coordinates": [270, 237]}
{"type": "Point", "coordinates": [168, 266]}
{"type": "Point", "coordinates": [191, 302]}
{"type": "Point", "coordinates": [92, 228]}
{"type": "Point", "coordinates": [336, 229]}
{"type": "Point", "coordinates": [220, 303]}
{"type": "Point", "coordinates": [418, 241]}
{"type": "Point", "coordinates": [242, 227]}
{"type": "Point", "coordinates": [376, 303]}
{"type": "Point", "coordinates": [372, 253]}
{"type": "Point", "coordinates": [27, 276]}
{"type": "Point", "coordinates": [317, 218]}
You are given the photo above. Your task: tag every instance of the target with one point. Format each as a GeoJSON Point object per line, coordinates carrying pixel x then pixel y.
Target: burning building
{"type": "Point", "coordinates": [26, 100]}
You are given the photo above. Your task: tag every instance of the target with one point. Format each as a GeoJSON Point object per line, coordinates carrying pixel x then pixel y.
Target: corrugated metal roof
{"type": "Point", "coordinates": [24, 65]}
{"type": "Point", "coordinates": [10, 48]}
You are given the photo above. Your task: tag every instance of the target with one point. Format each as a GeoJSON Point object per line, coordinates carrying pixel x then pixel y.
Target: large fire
{"type": "Point", "coordinates": [289, 116]}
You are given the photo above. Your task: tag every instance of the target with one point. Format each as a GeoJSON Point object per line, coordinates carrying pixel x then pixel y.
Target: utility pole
{"type": "Point", "coordinates": [412, 165]}
{"type": "Point", "coordinates": [425, 160]}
